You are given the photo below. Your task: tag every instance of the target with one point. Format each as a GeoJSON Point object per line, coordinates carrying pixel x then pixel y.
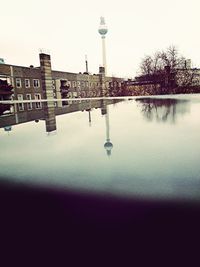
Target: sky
{"type": "Point", "coordinates": [69, 31]}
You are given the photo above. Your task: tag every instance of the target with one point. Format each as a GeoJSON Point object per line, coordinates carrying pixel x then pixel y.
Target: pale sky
{"type": "Point", "coordinates": [69, 30]}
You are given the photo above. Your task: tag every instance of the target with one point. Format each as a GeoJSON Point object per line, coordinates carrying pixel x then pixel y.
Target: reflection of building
{"type": "Point", "coordinates": [48, 113]}
{"type": "Point", "coordinates": [50, 117]}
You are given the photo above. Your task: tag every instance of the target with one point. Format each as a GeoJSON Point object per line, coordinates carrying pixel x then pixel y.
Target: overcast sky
{"type": "Point", "coordinates": [69, 30]}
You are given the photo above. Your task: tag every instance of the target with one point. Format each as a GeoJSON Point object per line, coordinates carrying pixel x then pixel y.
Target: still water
{"type": "Point", "coordinates": [147, 147]}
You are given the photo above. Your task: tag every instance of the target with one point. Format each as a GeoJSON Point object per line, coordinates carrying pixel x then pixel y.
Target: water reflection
{"type": "Point", "coordinates": [151, 164]}
{"type": "Point", "coordinates": [163, 110]}
{"type": "Point", "coordinates": [149, 160]}
{"type": "Point", "coordinates": [49, 110]}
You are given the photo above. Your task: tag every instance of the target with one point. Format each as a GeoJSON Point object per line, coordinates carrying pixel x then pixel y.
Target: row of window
{"type": "Point", "coordinates": [85, 94]}
{"type": "Point", "coordinates": [38, 105]}
{"type": "Point", "coordinates": [35, 83]}
{"type": "Point", "coordinates": [80, 84]}
{"type": "Point", "coordinates": [73, 84]}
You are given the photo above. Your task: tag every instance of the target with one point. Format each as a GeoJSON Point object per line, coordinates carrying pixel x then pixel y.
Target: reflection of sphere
{"type": "Point", "coordinates": [108, 146]}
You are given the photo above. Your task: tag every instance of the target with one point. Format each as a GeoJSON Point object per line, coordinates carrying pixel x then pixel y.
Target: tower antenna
{"type": "Point", "coordinates": [86, 64]}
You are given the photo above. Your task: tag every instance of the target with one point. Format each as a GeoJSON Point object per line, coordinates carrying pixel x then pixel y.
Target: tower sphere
{"type": "Point", "coordinates": [108, 145]}
{"type": "Point", "coordinates": [102, 27]}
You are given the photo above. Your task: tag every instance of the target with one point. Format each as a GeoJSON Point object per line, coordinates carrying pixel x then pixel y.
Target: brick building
{"type": "Point", "coordinates": [36, 83]}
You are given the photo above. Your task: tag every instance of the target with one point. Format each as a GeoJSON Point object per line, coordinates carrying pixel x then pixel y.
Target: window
{"type": "Point", "coordinates": [83, 84]}
{"type": "Point", "coordinates": [75, 94]}
{"type": "Point", "coordinates": [74, 84]}
{"type": "Point", "coordinates": [36, 83]}
{"type": "Point", "coordinates": [70, 94]}
{"type": "Point", "coordinates": [20, 105]}
{"type": "Point", "coordinates": [38, 104]}
{"type": "Point", "coordinates": [18, 83]}
{"type": "Point", "coordinates": [27, 83]}
{"type": "Point", "coordinates": [53, 84]}
{"type": "Point", "coordinates": [29, 105]}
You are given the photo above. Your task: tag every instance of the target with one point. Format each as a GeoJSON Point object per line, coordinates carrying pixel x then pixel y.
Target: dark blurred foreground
{"type": "Point", "coordinates": [42, 227]}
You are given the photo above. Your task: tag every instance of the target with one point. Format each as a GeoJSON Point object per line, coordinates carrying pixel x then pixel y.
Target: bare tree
{"type": "Point", "coordinates": [147, 65]}
{"type": "Point", "coordinates": [154, 68]}
{"type": "Point", "coordinates": [157, 63]}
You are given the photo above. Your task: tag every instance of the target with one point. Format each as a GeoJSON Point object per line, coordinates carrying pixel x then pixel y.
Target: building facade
{"type": "Point", "coordinates": [32, 83]}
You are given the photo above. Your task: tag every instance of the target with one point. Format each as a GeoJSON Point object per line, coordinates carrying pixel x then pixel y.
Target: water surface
{"type": "Point", "coordinates": [146, 147]}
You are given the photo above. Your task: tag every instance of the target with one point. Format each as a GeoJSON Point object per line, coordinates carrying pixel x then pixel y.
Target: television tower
{"type": "Point", "coordinates": [103, 30]}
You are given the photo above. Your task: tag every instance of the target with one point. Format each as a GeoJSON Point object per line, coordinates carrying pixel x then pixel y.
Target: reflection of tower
{"type": "Point", "coordinates": [89, 117]}
{"type": "Point", "coordinates": [90, 120]}
{"type": "Point", "coordinates": [103, 30]}
{"type": "Point", "coordinates": [16, 114]}
{"type": "Point", "coordinates": [108, 145]}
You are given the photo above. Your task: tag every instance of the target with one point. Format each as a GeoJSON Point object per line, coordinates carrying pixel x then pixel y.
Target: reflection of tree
{"type": "Point", "coordinates": [163, 110]}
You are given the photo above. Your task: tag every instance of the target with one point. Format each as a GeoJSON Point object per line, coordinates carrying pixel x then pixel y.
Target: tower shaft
{"type": "Point", "coordinates": [104, 53]}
